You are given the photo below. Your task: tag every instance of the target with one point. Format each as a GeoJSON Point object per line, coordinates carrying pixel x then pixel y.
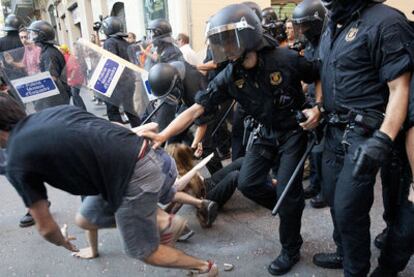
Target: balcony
{"type": "Point", "coordinates": [22, 8]}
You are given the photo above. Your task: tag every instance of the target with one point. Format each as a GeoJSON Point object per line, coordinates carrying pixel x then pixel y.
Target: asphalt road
{"type": "Point", "coordinates": [244, 235]}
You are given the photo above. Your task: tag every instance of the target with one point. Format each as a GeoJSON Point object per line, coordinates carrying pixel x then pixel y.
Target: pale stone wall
{"type": "Point", "coordinates": [406, 6]}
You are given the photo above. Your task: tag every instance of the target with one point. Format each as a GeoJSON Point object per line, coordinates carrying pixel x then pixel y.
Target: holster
{"type": "Point", "coordinates": [365, 123]}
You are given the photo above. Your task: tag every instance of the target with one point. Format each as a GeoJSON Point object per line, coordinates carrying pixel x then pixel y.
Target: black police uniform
{"type": "Point", "coordinates": [222, 135]}
{"type": "Point", "coordinates": [124, 90]}
{"type": "Point", "coordinates": [10, 41]}
{"type": "Point", "coordinates": [311, 54]}
{"type": "Point", "coordinates": [193, 82]}
{"type": "Point", "coordinates": [167, 52]}
{"type": "Point", "coordinates": [357, 62]}
{"type": "Point", "coordinates": [52, 60]}
{"type": "Point", "coordinates": [270, 92]}
{"type": "Point", "coordinates": [396, 177]}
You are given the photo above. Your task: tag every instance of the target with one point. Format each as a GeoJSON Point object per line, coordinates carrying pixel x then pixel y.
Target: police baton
{"type": "Point", "coordinates": [298, 168]}
{"type": "Point", "coordinates": [223, 118]}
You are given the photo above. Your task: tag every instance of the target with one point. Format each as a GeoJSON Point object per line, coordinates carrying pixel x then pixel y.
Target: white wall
{"type": "Point", "coordinates": [134, 17]}
{"type": "Point", "coordinates": [406, 6]}
{"type": "Point", "coordinates": [178, 12]}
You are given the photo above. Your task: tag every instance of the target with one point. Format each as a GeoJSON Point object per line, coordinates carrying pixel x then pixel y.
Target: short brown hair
{"type": "Point", "coordinates": [11, 112]}
{"type": "Point", "coordinates": [184, 38]}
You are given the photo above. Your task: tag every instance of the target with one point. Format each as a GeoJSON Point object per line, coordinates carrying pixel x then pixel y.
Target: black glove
{"type": "Point", "coordinates": [369, 156]}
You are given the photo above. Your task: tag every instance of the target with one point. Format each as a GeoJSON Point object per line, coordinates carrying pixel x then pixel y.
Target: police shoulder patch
{"type": "Point", "coordinates": [350, 36]}
{"type": "Point", "coordinates": [276, 78]}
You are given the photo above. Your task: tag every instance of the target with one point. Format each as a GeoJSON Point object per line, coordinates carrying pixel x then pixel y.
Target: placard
{"type": "Point", "coordinates": [106, 76]}
{"type": "Point", "coordinates": [35, 87]}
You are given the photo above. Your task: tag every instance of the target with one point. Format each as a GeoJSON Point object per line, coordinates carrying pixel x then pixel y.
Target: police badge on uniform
{"type": "Point", "coordinates": [239, 83]}
{"type": "Point", "coordinates": [276, 78]}
{"type": "Point", "coordinates": [350, 36]}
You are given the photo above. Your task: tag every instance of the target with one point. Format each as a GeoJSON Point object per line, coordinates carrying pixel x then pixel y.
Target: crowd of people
{"type": "Point", "coordinates": [334, 80]}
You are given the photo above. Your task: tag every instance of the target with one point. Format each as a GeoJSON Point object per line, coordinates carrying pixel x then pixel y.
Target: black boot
{"type": "Point", "coordinates": [283, 263]}
{"type": "Point", "coordinates": [318, 201]}
{"type": "Point", "coordinates": [328, 260]}
{"type": "Point", "coordinates": [381, 271]}
{"type": "Point", "coordinates": [310, 191]}
{"type": "Point", "coordinates": [26, 221]}
{"type": "Point", "coordinates": [380, 239]}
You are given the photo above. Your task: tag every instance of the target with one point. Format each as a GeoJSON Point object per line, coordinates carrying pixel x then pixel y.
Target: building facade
{"type": "Point", "coordinates": [73, 19]}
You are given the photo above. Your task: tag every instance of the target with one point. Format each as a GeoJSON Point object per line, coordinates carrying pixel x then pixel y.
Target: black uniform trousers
{"type": "Point", "coordinates": [350, 200]}
{"type": "Point", "coordinates": [222, 184]}
{"type": "Point", "coordinates": [315, 175]}
{"type": "Point", "coordinates": [398, 211]}
{"type": "Point", "coordinates": [252, 183]}
{"type": "Point", "coordinates": [237, 147]}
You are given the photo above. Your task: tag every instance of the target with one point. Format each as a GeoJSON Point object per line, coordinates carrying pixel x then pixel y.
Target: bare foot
{"type": "Point", "coordinates": [85, 253]}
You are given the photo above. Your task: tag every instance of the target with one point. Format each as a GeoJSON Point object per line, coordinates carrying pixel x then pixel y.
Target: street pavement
{"type": "Point", "coordinates": [244, 235]}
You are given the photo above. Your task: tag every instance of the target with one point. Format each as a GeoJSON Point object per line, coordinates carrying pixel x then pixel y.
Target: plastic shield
{"type": "Point", "coordinates": [111, 78]}
{"type": "Point", "coordinates": [31, 78]}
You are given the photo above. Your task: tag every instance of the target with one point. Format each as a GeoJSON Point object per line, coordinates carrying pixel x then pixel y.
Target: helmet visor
{"type": "Point", "coordinates": [226, 46]}
{"type": "Point", "coordinates": [225, 41]}
{"type": "Point", "coordinates": [300, 30]}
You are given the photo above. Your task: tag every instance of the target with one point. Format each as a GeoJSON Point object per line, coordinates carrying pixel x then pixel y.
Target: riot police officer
{"type": "Point", "coordinates": [272, 26]}
{"type": "Point", "coordinates": [51, 60]}
{"type": "Point", "coordinates": [160, 35]}
{"type": "Point", "coordinates": [268, 16]}
{"type": "Point", "coordinates": [308, 19]}
{"type": "Point", "coordinates": [365, 82]}
{"type": "Point", "coordinates": [12, 24]}
{"type": "Point", "coordinates": [179, 82]}
{"type": "Point", "coordinates": [116, 44]}
{"type": "Point", "coordinates": [265, 80]}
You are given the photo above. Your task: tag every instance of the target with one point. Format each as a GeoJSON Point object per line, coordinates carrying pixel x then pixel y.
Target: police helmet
{"type": "Point", "coordinates": [163, 78]}
{"type": "Point", "coordinates": [268, 16]}
{"type": "Point", "coordinates": [41, 31]}
{"type": "Point", "coordinates": [279, 31]}
{"type": "Point", "coordinates": [308, 19]}
{"type": "Point", "coordinates": [112, 26]}
{"type": "Point", "coordinates": [12, 23]}
{"type": "Point", "coordinates": [233, 31]}
{"type": "Point", "coordinates": [255, 7]}
{"type": "Point", "coordinates": [159, 28]}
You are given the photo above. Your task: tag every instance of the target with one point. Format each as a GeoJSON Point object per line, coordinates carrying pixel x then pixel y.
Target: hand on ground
{"type": "Point", "coordinates": [67, 243]}
{"type": "Point", "coordinates": [85, 253]}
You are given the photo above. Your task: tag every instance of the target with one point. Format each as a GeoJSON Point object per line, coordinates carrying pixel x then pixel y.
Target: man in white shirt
{"type": "Point", "coordinates": [188, 53]}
